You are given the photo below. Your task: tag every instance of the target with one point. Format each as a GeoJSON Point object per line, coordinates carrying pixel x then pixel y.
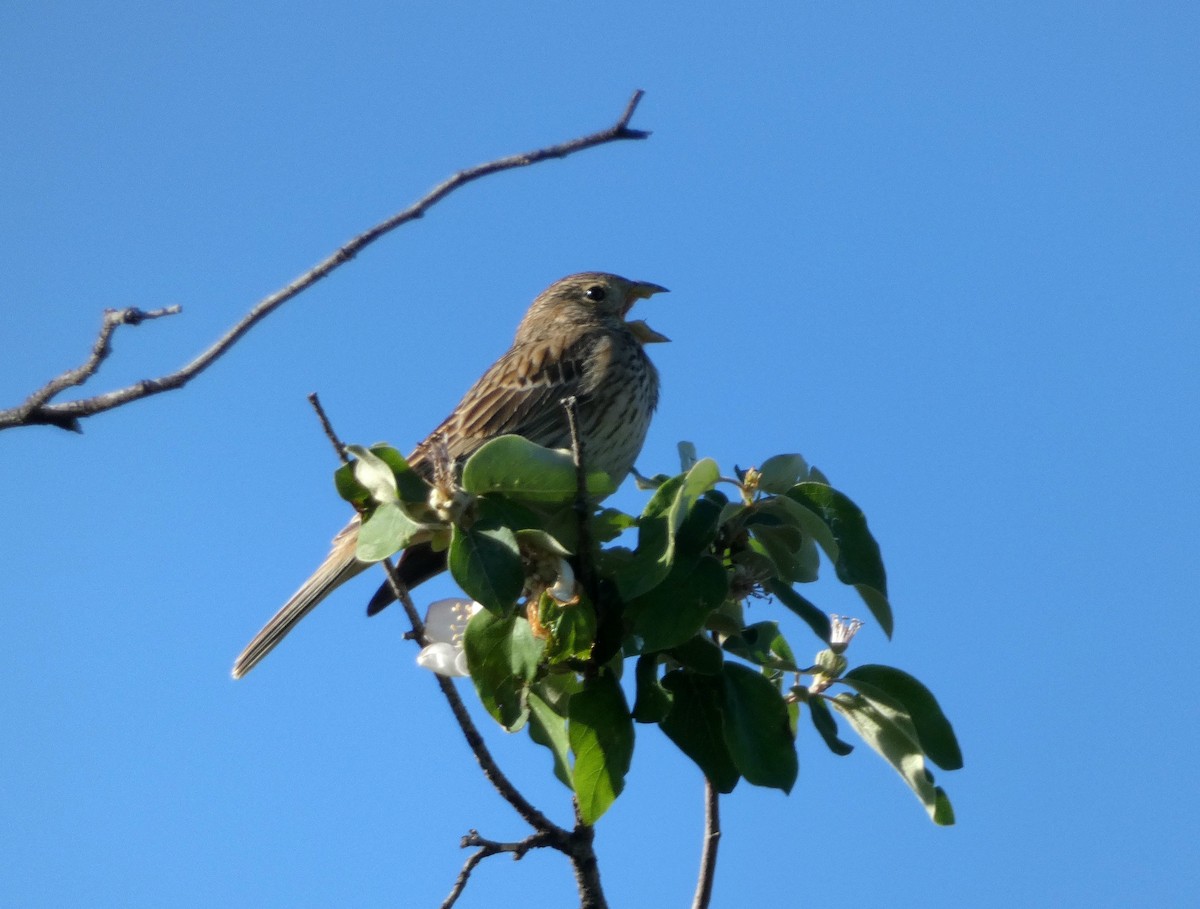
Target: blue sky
{"type": "Point", "coordinates": [947, 251]}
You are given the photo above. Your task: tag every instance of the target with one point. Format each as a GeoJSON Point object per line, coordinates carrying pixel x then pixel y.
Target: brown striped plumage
{"type": "Point", "coordinates": [574, 340]}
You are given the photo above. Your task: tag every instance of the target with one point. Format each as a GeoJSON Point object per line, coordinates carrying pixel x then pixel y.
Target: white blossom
{"type": "Point", "coordinates": [564, 589]}
{"type": "Point", "coordinates": [842, 632]}
{"type": "Point", "coordinates": [445, 625]}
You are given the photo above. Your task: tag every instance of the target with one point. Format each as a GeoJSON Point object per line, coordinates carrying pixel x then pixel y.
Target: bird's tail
{"type": "Point", "coordinates": [339, 566]}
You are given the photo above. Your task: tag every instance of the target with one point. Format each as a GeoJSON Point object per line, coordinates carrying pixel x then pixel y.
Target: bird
{"type": "Point", "coordinates": [574, 340]}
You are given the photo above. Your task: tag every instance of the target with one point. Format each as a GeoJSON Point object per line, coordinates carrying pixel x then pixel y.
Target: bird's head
{"type": "Point", "coordinates": [592, 298]}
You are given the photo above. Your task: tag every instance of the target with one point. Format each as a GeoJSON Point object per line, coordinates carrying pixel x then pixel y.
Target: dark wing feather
{"type": "Point", "coordinates": [519, 395]}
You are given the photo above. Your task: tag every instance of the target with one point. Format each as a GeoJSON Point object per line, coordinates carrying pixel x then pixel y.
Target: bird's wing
{"type": "Point", "coordinates": [520, 394]}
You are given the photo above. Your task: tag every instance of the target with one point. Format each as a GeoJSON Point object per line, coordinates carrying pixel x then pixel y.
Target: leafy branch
{"type": "Point", "coordinates": [546, 651]}
{"type": "Point", "coordinates": [575, 844]}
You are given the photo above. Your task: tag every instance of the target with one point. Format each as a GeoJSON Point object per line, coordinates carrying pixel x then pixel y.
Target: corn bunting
{"type": "Point", "coordinates": [574, 340]}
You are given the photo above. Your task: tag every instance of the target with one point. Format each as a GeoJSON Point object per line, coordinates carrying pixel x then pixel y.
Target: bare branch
{"type": "Point", "coordinates": [37, 409]}
{"type": "Point", "coordinates": [338, 446]}
{"type": "Point", "coordinates": [32, 410]}
{"type": "Point", "coordinates": [583, 861]}
{"type": "Point", "coordinates": [712, 837]}
{"type": "Point", "coordinates": [489, 848]}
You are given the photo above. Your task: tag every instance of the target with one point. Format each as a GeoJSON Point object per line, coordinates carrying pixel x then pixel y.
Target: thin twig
{"type": "Point", "coordinates": [489, 848]}
{"type": "Point", "coordinates": [338, 446]}
{"type": "Point", "coordinates": [712, 837]}
{"type": "Point", "coordinates": [37, 409]}
{"type": "Point", "coordinates": [460, 882]}
{"type": "Point", "coordinates": [583, 507]}
{"type": "Point", "coordinates": [491, 770]}
{"type": "Point", "coordinates": [113, 319]}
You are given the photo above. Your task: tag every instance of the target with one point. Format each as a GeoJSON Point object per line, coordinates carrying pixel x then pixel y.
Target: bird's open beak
{"type": "Point", "coordinates": [643, 290]}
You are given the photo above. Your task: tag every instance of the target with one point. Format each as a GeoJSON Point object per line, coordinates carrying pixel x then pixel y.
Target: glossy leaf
{"type": "Point", "coordinates": [757, 730]}
{"type": "Point", "coordinates": [826, 725]}
{"type": "Point", "coordinates": [849, 545]}
{"type": "Point", "coordinates": [781, 473]}
{"type": "Point", "coordinates": [817, 620]}
{"type": "Point", "coordinates": [503, 656]}
{"type": "Point", "coordinates": [783, 545]}
{"type": "Point", "coordinates": [677, 608]}
{"type": "Point", "coordinates": [700, 526]}
{"type": "Point", "coordinates": [518, 468]}
{"type": "Point", "coordinates": [373, 474]}
{"type": "Point", "coordinates": [572, 628]}
{"type": "Point", "coordinates": [387, 531]}
{"type": "Point", "coordinates": [653, 701]}
{"type": "Point", "coordinates": [349, 488]}
{"type": "Point", "coordinates": [890, 732]}
{"type": "Point", "coordinates": [601, 735]}
{"type": "Point", "coordinates": [762, 644]}
{"type": "Point", "coordinates": [934, 731]}
{"type": "Point", "coordinates": [609, 524]}
{"type": "Point", "coordinates": [410, 484]}
{"type": "Point", "coordinates": [700, 655]}
{"type": "Point", "coordinates": [486, 563]}
{"type": "Point", "coordinates": [687, 456]}
{"type": "Point", "coordinates": [695, 725]}
{"type": "Point", "coordinates": [659, 524]}
{"type": "Point", "coordinates": [549, 729]}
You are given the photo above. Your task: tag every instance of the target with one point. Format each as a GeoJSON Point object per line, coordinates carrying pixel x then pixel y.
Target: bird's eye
{"type": "Point", "coordinates": [595, 293]}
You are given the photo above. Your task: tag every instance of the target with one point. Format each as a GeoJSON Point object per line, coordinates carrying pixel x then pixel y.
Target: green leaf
{"type": "Point", "coordinates": [518, 468]}
{"type": "Point", "coordinates": [826, 725]}
{"type": "Point", "coordinates": [695, 725]}
{"type": "Point", "coordinates": [644, 482]}
{"type": "Point", "coordinates": [609, 524]}
{"type": "Point", "coordinates": [373, 474]}
{"type": "Point", "coordinates": [549, 729]}
{"type": "Point", "coordinates": [503, 657]}
{"type": "Point", "coordinates": [659, 524]}
{"type": "Point", "coordinates": [781, 473]}
{"type": "Point", "coordinates": [533, 539]}
{"type": "Point", "coordinates": [814, 617]}
{"type": "Point", "coordinates": [783, 545]}
{"type": "Point", "coordinates": [572, 628]}
{"type": "Point", "coordinates": [687, 456]}
{"type": "Point", "coordinates": [757, 730]}
{"type": "Point", "coordinates": [601, 734]}
{"type": "Point", "coordinates": [678, 607]}
{"type": "Point", "coordinates": [486, 563]}
{"type": "Point", "coordinates": [849, 545]}
{"type": "Point", "coordinates": [699, 654]}
{"type": "Point", "coordinates": [410, 484]}
{"type": "Point", "coordinates": [934, 731]}
{"type": "Point", "coordinates": [762, 644]}
{"type": "Point", "coordinates": [653, 702]}
{"type": "Point", "coordinates": [700, 526]}
{"type": "Point", "coordinates": [890, 732]}
{"type": "Point", "coordinates": [349, 488]}
{"type": "Point", "coordinates": [387, 531]}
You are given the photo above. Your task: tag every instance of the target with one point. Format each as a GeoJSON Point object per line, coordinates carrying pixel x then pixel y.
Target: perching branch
{"type": "Point", "coordinates": [582, 505]}
{"type": "Point", "coordinates": [37, 409]}
{"type": "Point", "coordinates": [576, 844]}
